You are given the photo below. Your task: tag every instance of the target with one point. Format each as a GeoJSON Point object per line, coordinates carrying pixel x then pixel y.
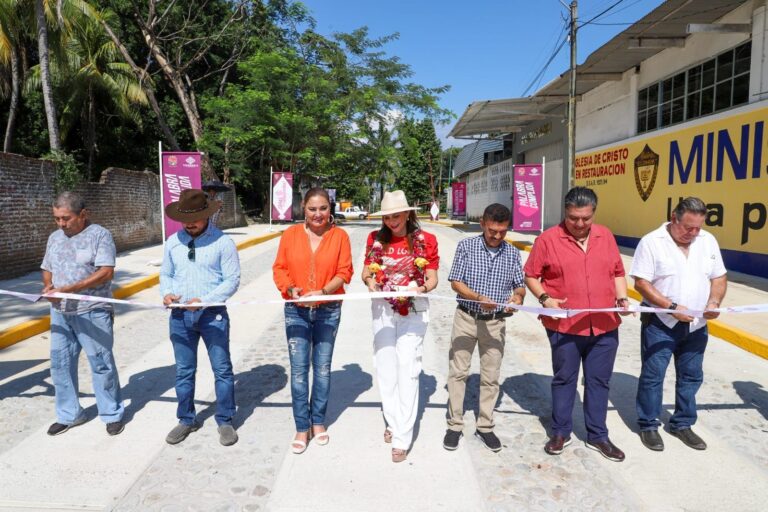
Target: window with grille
{"type": "Point", "coordinates": [709, 87]}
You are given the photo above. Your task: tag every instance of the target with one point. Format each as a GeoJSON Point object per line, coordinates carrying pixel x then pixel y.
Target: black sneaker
{"type": "Point", "coordinates": [490, 440]}
{"type": "Point", "coordinates": [115, 427]}
{"type": "Point", "coordinates": [451, 439]}
{"type": "Point", "coordinates": [59, 428]}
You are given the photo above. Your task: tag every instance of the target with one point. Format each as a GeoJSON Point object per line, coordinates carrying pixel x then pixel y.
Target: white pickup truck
{"type": "Point", "coordinates": [352, 212]}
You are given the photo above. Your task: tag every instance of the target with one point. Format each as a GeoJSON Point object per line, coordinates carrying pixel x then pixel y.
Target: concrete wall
{"type": "Point", "coordinates": [125, 202]}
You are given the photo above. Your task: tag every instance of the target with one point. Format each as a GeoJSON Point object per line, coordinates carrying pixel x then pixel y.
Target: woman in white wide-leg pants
{"type": "Point", "coordinates": [399, 257]}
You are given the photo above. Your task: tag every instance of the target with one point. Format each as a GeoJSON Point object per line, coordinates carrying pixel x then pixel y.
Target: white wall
{"type": "Point", "coordinates": [608, 113]}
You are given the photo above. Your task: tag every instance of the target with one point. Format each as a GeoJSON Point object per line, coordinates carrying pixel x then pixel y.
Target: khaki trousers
{"type": "Point", "coordinates": [488, 335]}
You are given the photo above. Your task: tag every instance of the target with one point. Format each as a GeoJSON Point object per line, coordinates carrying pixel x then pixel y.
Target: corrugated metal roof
{"type": "Point", "coordinates": [471, 156]}
{"type": "Point", "coordinates": [668, 21]}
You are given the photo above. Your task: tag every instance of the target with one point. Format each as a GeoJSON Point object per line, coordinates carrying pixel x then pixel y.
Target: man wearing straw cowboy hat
{"type": "Point", "coordinates": [200, 265]}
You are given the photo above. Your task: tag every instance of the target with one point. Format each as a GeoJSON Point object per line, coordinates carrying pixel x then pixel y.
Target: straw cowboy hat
{"type": "Point", "coordinates": [394, 202]}
{"type": "Point", "coordinates": [193, 205]}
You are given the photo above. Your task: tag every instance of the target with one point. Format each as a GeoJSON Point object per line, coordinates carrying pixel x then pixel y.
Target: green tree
{"type": "Point", "coordinates": [419, 154]}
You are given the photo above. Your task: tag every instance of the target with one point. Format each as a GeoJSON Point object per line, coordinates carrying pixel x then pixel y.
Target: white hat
{"type": "Point", "coordinates": [394, 202]}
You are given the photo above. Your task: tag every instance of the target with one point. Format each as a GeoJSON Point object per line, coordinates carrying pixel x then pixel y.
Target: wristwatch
{"type": "Point", "coordinates": [673, 306]}
{"type": "Point", "coordinates": [543, 298]}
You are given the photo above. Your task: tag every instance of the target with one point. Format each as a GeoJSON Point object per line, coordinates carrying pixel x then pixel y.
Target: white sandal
{"type": "Point", "coordinates": [321, 438]}
{"type": "Point", "coordinates": [298, 446]}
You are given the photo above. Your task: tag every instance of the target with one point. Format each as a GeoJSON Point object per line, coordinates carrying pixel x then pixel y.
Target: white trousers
{"type": "Point", "coordinates": [397, 346]}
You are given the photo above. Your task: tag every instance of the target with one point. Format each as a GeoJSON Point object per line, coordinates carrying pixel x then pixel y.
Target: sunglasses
{"type": "Point", "coordinates": [191, 253]}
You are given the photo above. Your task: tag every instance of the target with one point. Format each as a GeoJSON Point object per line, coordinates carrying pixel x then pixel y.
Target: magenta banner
{"type": "Point", "coordinates": [180, 171]}
{"type": "Point", "coordinates": [282, 196]}
{"type": "Point", "coordinates": [526, 198]}
{"type": "Point", "coordinates": [459, 191]}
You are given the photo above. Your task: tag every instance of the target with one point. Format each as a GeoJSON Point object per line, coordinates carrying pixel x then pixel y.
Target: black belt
{"type": "Point", "coordinates": [484, 316]}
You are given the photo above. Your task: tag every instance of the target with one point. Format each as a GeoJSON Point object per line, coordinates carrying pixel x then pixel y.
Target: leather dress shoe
{"type": "Point", "coordinates": [687, 436]}
{"type": "Point", "coordinates": [556, 444]}
{"type": "Point", "coordinates": [607, 449]}
{"type": "Point", "coordinates": [652, 440]}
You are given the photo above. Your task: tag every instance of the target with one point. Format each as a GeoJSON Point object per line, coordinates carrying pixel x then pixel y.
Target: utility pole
{"type": "Point", "coordinates": [572, 100]}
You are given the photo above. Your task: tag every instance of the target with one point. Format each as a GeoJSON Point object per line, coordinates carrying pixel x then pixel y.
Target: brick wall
{"type": "Point", "coordinates": [125, 202]}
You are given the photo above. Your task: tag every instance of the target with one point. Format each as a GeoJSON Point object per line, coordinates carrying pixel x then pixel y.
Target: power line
{"type": "Point", "coordinates": [593, 18]}
{"type": "Point", "coordinates": [559, 46]}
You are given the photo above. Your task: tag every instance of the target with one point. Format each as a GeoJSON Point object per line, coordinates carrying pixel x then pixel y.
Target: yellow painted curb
{"type": "Point", "coordinates": [257, 240]}
{"type": "Point", "coordinates": [21, 332]}
{"type": "Point", "coordinates": [24, 330]}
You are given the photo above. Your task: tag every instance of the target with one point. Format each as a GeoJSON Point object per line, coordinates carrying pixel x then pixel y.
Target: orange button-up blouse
{"type": "Point", "coordinates": [298, 267]}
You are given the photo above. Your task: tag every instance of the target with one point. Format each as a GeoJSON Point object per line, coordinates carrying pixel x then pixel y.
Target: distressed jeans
{"type": "Point", "coordinates": [311, 334]}
{"type": "Point", "coordinates": [186, 329]}
{"type": "Point", "coordinates": [90, 331]}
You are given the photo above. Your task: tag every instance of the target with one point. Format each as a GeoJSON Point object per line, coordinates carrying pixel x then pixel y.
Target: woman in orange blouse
{"type": "Point", "coordinates": [314, 258]}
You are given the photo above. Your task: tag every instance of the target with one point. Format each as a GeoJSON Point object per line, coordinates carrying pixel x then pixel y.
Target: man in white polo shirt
{"type": "Point", "coordinates": [677, 266]}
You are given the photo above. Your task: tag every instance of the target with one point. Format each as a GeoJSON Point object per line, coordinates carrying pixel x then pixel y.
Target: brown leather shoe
{"type": "Point", "coordinates": [556, 444]}
{"type": "Point", "coordinates": [607, 449]}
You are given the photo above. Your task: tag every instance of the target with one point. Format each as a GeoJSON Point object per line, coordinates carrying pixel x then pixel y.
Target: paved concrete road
{"type": "Point", "coordinates": [85, 469]}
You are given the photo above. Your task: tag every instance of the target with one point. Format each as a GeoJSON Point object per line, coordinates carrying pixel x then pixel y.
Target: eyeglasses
{"type": "Point", "coordinates": [191, 247]}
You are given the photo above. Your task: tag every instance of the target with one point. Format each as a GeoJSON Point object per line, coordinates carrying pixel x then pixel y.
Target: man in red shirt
{"type": "Point", "coordinates": [576, 265]}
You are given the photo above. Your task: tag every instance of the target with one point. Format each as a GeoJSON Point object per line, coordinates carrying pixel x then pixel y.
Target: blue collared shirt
{"type": "Point", "coordinates": [214, 275]}
{"type": "Point", "coordinates": [494, 274]}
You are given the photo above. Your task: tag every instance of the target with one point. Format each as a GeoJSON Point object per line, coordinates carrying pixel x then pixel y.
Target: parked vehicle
{"type": "Point", "coordinates": [351, 212]}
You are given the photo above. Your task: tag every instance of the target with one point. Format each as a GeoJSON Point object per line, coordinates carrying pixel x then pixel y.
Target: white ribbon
{"type": "Point", "coordinates": [551, 312]}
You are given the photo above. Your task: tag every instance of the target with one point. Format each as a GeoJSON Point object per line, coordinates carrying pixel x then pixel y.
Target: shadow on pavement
{"type": "Point", "coordinates": [346, 385]}
{"type": "Point", "coordinates": [531, 391]}
{"type": "Point", "coordinates": [251, 388]}
{"type": "Point", "coordinates": [147, 386]}
{"type": "Point", "coordinates": [11, 368]}
{"type": "Point", "coordinates": [22, 386]}
{"type": "Point", "coordinates": [427, 388]}
{"type": "Point", "coordinates": [753, 394]}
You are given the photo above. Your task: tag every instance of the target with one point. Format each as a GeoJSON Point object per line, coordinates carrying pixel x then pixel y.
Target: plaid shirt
{"type": "Point", "coordinates": [494, 275]}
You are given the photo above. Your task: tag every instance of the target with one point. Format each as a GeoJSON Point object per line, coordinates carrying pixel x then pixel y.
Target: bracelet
{"type": "Point", "coordinates": [672, 306]}
{"type": "Point", "coordinates": [543, 298]}
{"type": "Point", "coordinates": [713, 301]}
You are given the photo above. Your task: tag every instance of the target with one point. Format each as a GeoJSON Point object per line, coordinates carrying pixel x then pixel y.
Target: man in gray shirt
{"type": "Point", "coordinates": [80, 258]}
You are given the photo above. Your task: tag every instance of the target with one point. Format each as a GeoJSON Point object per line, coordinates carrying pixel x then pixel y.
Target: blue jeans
{"type": "Point", "coordinates": [658, 344]}
{"type": "Point", "coordinates": [597, 353]}
{"type": "Point", "coordinates": [186, 329]}
{"type": "Point", "coordinates": [90, 331]}
{"type": "Point", "coordinates": [311, 333]}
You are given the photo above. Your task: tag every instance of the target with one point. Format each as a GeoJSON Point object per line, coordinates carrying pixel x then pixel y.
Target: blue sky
{"type": "Point", "coordinates": [483, 49]}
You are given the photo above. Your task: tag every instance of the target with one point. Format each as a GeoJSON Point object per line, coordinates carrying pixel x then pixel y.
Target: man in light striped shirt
{"type": "Point", "coordinates": [200, 265]}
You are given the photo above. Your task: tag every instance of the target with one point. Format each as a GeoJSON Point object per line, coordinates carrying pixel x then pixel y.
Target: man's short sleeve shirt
{"type": "Point", "coordinates": [72, 259]}
{"type": "Point", "coordinates": [686, 281]}
{"type": "Point", "coordinates": [494, 274]}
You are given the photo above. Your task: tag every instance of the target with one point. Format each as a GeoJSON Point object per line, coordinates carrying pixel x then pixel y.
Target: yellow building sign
{"type": "Point", "coordinates": [639, 182]}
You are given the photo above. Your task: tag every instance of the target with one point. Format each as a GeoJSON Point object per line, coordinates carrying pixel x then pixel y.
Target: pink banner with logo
{"type": "Point", "coordinates": [180, 171]}
{"type": "Point", "coordinates": [282, 196]}
{"type": "Point", "coordinates": [527, 197]}
{"type": "Point", "coordinates": [459, 191]}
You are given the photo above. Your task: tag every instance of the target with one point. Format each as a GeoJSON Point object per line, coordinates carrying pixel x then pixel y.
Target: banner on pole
{"type": "Point", "coordinates": [526, 198]}
{"type": "Point", "coordinates": [180, 171]}
{"type": "Point", "coordinates": [459, 191]}
{"type": "Point", "coordinates": [282, 196]}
